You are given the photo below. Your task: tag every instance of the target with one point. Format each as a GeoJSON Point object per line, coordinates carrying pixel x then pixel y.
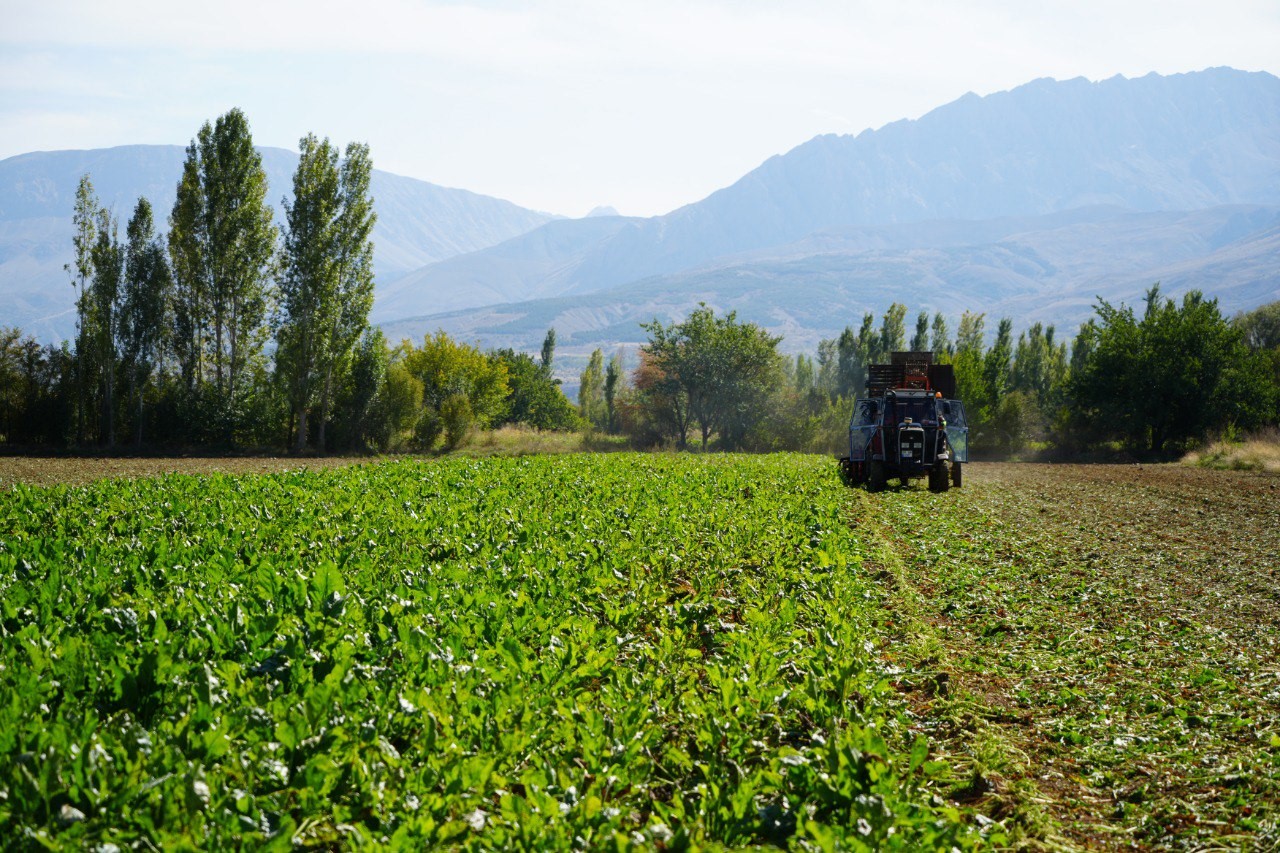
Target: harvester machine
{"type": "Point", "coordinates": [908, 425]}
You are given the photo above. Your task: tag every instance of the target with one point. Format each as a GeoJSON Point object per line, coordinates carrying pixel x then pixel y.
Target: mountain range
{"type": "Point", "coordinates": [1049, 269]}
{"type": "Point", "coordinates": [1030, 203]}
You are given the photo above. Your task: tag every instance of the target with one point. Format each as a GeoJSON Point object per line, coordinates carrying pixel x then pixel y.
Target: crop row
{"type": "Point", "coordinates": [546, 652]}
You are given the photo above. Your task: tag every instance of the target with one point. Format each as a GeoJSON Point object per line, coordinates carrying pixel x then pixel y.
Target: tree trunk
{"type": "Point", "coordinates": [137, 394]}
{"type": "Point", "coordinates": [324, 409]}
{"type": "Point", "coordinates": [109, 401]}
{"type": "Point", "coordinates": [79, 399]}
{"type": "Point", "coordinates": [300, 442]}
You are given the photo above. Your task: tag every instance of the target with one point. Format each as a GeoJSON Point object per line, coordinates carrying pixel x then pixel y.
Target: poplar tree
{"type": "Point", "coordinates": [326, 286]}
{"type": "Point", "coordinates": [612, 377]}
{"type": "Point", "coordinates": [223, 242]}
{"type": "Point", "coordinates": [144, 311]}
{"type": "Point", "coordinates": [309, 280]}
{"type": "Point", "coordinates": [849, 362]}
{"type": "Point", "coordinates": [893, 330]}
{"type": "Point", "coordinates": [591, 391]}
{"type": "Point", "coordinates": [920, 341]}
{"type": "Point", "coordinates": [940, 342]}
{"type": "Point", "coordinates": [104, 315]}
{"type": "Point", "coordinates": [84, 236]}
{"type": "Point", "coordinates": [353, 256]}
{"type": "Point", "coordinates": [548, 350]}
{"type": "Point", "coordinates": [188, 252]}
{"type": "Point", "coordinates": [997, 364]}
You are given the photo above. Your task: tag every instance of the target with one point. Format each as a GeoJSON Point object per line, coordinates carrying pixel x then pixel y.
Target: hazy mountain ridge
{"type": "Point", "coordinates": [1050, 268]}
{"type": "Point", "coordinates": [1180, 142]}
{"type": "Point", "coordinates": [418, 222]}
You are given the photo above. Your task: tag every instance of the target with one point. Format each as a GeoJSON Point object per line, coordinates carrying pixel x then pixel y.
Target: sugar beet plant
{"type": "Point", "coordinates": [617, 652]}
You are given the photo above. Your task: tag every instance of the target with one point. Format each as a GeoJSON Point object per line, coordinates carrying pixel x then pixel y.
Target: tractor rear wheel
{"type": "Point", "coordinates": [876, 478]}
{"type": "Point", "coordinates": [955, 474]}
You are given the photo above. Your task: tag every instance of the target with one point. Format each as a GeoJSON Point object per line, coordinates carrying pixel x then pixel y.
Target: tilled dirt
{"type": "Point", "coordinates": [1110, 641]}
{"type": "Point", "coordinates": [74, 470]}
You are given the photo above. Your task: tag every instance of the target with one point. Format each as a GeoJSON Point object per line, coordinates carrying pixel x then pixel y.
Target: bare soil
{"type": "Point", "coordinates": [72, 470]}
{"type": "Point", "coordinates": [1098, 648]}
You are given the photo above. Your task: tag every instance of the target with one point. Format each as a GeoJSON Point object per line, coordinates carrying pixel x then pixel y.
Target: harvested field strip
{"type": "Point", "coordinates": [1101, 645]}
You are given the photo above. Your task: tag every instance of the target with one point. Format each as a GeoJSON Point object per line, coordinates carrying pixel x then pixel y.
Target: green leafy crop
{"type": "Point", "coordinates": [620, 651]}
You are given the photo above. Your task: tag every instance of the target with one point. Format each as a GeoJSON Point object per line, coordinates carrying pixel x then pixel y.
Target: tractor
{"type": "Point", "coordinates": [907, 425]}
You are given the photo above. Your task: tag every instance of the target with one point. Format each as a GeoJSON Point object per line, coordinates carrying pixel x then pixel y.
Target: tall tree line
{"type": "Point", "coordinates": [1149, 383]}
{"type": "Point", "coordinates": [230, 332]}
{"type": "Point", "coordinates": [172, 334]}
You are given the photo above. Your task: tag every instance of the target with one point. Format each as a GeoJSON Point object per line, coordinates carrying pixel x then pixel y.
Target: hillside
{"type": "Point", "coordinates": [1049, 268]}
{"type": "Point", "coordinates": [1157, 143]}
{"type": "Point", "coordinates": [418, 222]}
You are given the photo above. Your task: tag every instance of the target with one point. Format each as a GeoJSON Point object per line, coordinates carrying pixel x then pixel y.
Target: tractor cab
{"type": "Point", "coordinates": [906, 426]}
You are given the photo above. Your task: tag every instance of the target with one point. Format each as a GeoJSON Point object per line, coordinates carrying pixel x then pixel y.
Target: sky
{"type": "Point", "coordinates": [565, 106]}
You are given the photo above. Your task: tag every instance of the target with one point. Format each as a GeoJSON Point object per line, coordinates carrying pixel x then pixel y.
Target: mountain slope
{"type": "Point", "coordinates": [1050, 268]}
{"type": "Point", "coordinates": [1180, 142]}
{"type": "Point", "coordinates": [418, 223]}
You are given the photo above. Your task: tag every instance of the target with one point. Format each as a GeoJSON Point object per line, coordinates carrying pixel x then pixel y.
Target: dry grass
{"type": "Point", "coordinates": [1258, 451]}
{"type": "Point", "coordinates": [517, 440]}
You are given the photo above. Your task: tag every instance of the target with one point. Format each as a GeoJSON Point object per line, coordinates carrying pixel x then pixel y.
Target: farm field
{"type": "Point", "coordinates": [1104, 644]}
{"type": "Point", "coordinates": [79, 470]}
{"type": "Point", "coordinates": [641, 651]}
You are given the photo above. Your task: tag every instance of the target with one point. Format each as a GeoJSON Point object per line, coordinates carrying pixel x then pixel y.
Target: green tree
{"type": "Point", "coordinates": [326, 286]}
{"type": "Point", "coordinates": [804, 376]}
{"type": "Point", "coordinates": [920, 340]}
{"type": "Point", "coordinates": [353, 254]}
{"type": "Point", "coordinates": [534, 399]}
{"type": "Point", "coordinates": [940, 341]}
{"type": "Point", "coordinates": [850, 360]}
{"type": "Point", "coordinates": [893, 330]}
{"type": "Point", "coordinates": [13, 394]}
{"type": "Point", "coordinates": [1039, 366]}
{"type": "Point", "coordinates": [189, 255]}
{"type": "Point", "coordinates": [398, 404]}
{"type": "Point", "coordinates": [222, 241]}
{"type": "Point", "coordinates": [997, 364]}
{"type": "Point", "coordinates": [359, 414]}
{"type": "Point", "coordinates": [612, 380]}
{"type": "Point", "coordinates": [827, 379]}
{"type": "Point", "coordinates": [1260, 327]}
{"type": "Point", "coordinates": [84, 221]}
{"type": "Point", "coordinates": [144, 316]}
{"type": "Point", "coordinates": [451, 373]}
{"type": "Point", "coordinates": [1168, 378]}
{"type": "Point", "coordinates": [37, 390]}
{"type": "Point", "coordinates": [309, 300]}
{"type": "Point", "coordinates": [971, 385]}
{"type": "Point", "coordinates": [104, 316]}
{"type": "Point", "coordinates": [715, 372]}
{"type": "Point", "coordinates": [868, 349]}
{"type": "Point", "coordinates": [591, 403]}
{"type": "Point", "coordinates": [548, 350]}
